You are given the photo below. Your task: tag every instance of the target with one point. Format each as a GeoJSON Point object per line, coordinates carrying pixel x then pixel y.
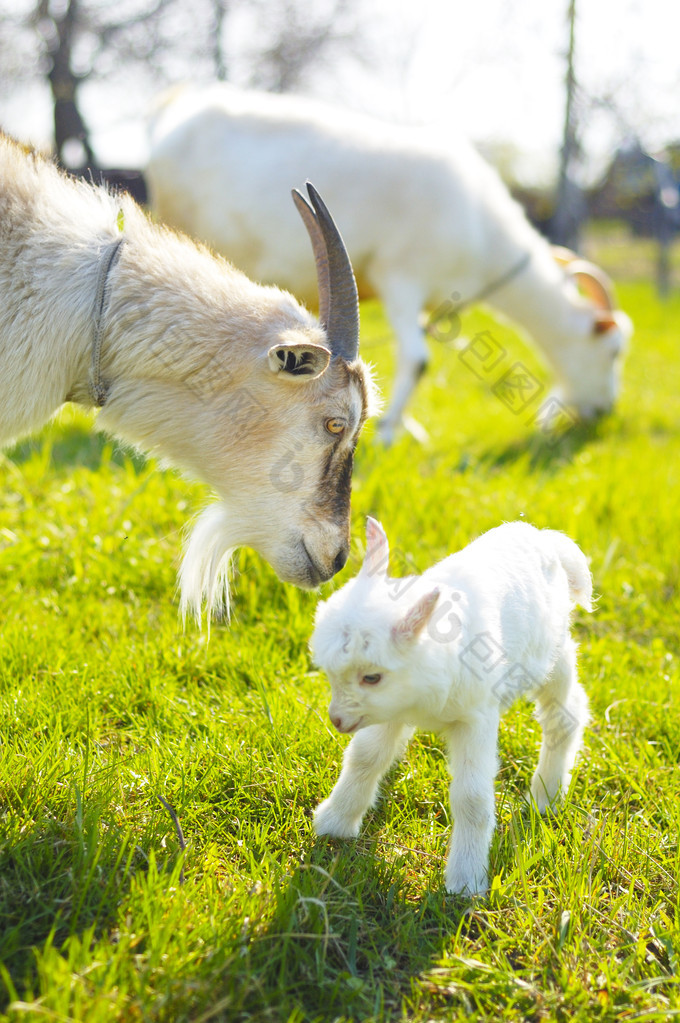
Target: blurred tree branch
{"type": "Point", "coordinates": [72, 43]}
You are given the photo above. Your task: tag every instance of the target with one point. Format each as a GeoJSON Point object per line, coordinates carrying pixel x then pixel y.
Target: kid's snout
{"type": "Point", "coordinates": [342, 721]}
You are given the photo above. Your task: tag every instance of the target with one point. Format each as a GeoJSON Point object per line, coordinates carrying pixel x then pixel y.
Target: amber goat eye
{"type": "Point", "coordinates": [371, 680]}
{"type": "Point", "coordinates": [335, 426]}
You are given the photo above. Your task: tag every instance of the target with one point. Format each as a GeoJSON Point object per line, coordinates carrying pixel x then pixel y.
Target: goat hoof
{"type": "Point", "coordinates": [328, 822]}
{"type": "Point", "coordinates": [468, 887]}
{"type": "Point", "coordinates": [540, 801]}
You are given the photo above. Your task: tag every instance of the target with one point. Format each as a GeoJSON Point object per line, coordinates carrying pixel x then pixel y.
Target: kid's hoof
{"type": "Point", "coordinates": [328, 822]}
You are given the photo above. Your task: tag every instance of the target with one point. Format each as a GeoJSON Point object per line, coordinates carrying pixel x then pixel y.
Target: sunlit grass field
{"type": "Point", "coordinates": [107, 705]}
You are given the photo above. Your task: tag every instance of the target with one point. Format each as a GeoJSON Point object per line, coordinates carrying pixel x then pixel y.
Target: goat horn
{"type": "Point", "coordinates": [595, 282]}
{"type": "Point", "coordinates": [338, 296]}
{"type": "Point", "coordinates": [319, 249]}
{"type": "Point", "coordinates": [563, 255]}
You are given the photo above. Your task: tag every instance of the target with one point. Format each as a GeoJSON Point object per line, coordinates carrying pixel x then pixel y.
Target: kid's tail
{"type": "Point", "coordinates": [574, 563]}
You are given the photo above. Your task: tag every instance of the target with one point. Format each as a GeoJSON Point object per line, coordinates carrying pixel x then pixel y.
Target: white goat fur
{"type": "Point", "coordinates": [422, 219]}
{"type": "Point", "coordinates": [449, 651]}
{"type": "Point", "coordinates": [187, 354]}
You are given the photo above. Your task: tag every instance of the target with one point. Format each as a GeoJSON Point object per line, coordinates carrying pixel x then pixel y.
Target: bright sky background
{"type": "Point", "coordinates": [494, 68]}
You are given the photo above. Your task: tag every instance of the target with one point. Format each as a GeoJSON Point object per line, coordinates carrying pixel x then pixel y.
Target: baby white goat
{"type": "Point", "coordinates": [449, 651]}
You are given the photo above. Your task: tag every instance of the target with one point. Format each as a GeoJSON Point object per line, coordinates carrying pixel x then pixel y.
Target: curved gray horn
{"type": "Point", "coordinates": [338, 297]}
{"type": "Point", "coordinates": [320, 255]}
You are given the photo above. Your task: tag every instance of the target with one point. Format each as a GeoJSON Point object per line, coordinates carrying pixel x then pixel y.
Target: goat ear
{"type": "Point", "coordinates": [603, 322]}
{"type": "Point", "coordinates": [299, 362]}
{"type": "Point", "coordinates": [377, 557]}
{"type": "Point", "coordinates": [415, 620]}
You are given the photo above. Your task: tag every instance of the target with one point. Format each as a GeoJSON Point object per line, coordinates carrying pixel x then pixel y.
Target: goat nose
{"type": "Point", "coordinates": [340, 559]}
{"type": "Point", "coordinates": [337, 721]}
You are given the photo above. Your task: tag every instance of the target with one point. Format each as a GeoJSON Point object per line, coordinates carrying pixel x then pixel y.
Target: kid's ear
{"type": "Point", "coordinates": [415, 620]}
{"type": "Point", "coordinates": [377, 556]}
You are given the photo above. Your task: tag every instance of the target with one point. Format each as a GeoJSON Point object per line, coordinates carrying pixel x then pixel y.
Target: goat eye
{"type": "Point", "coordinates": [335, 426]}
{"type": "Point", "coordinates": [371, 680]}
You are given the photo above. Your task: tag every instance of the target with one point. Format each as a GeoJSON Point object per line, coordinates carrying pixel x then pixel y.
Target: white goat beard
{"type": "Point", "coordinates": [204, 573]}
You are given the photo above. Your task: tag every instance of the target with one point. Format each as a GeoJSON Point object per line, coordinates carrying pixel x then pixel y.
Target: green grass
{"type": "Point", "coordinates": [105, 705]}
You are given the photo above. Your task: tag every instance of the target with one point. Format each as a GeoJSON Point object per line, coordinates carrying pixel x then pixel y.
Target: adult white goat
{"type": "Point", "coordinates": [449, 651]}
{"type": "Point", "coordinates": [423, 221]}
{"type": "Point", "coordinates": [235, 383]}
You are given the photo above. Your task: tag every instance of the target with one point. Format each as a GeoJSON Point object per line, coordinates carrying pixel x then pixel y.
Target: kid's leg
{"type": "Point", "coordinates": [562, 710]}
{"type": "Point", "coordinates": [369, 755]}
{"type": "Point", "coordinates": [473, 761]}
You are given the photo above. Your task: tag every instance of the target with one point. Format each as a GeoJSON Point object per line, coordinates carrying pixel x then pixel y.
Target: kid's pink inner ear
{"type": "Point", "coordinates": [415, 620]}
{"type": "Point", "coordinates": [377, 556]}
{"type": "Point", "coordinates": [374, 532]}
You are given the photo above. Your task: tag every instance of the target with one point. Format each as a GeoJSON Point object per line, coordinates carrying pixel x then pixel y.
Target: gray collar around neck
{"type": "Point", "coordinates": [99, 391]}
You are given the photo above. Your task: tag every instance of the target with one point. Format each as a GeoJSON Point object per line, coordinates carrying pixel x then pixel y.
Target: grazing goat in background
{"type": "Point", "coordinates": [449, 651]}
{"type": "Point", "coordinates": [234, 383]}
{"type": "Point", "coordinates": [423, 220]}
